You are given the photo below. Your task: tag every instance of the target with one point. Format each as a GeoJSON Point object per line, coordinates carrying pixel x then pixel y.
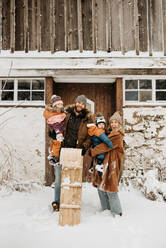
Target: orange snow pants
{"type": "Point", "coordinates": [55, 148]}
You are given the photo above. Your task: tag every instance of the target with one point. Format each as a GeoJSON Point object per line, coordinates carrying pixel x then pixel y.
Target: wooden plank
{"type": "Point", "coordinates": [33, 27]}
{"type": "Point", "coordinates": [12, 26]}
{"type": "Point", "coordinates": [19, 26]}
{"type": "Point", "coordinates": [0, 25]}
{"type": "Point", "coordinates": [121, 26]}
{"type": "Point", "coordinates": [128, 25]}
{"type": "Point", "coordinates": [5, 25]}
{"type": "Point", "coordinates": [157, 26]}
{"type": "Point", "coordinates": [70, 198]}
{"type": "Point", "coordinates": [108, 25]}
{"type": "Point", "coordinates": [94, 26]}
{"type": "Point", "coordinates": [45, 25]}
{"type": "Point", "coordinates": [115, 26]}
{"type": "Point", "coordinates": [164, 25]}
{"type": "Point", "coordinates": [87, 25]}
{"type": "Point", "coordinates": [26, 27]}
{"type": "Point", "coordinates": [119, 94]}
{"type": "Point", "coordinates": [52, 26]}
{"type": "Point", "coordinates": [49, 173]}
{"type": "Point", "coordinates": [66, 23]}
{"type": "Point", "coordinates": [143, 33]}
{"type": "Point", "coordinates": [101, 24]}
{"type": "Point", "coordinates": [150, 23]}
{"type": "Point", "coordinates": [39, 25]}
{"type": "Point", "coordinates": [136, 25]}
{"type": "Point", "coordinates": [60, 26]}
{"type": "Point", "coordinates": [110, 72]}
{"type": "Point", "coordinates": [80, 34]}
{"type": "Point", "coordinates": [73, 25]}
{"type": "Point", "coordinates": [104, 45]}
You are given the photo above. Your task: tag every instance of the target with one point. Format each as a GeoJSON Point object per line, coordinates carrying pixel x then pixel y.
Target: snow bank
{"type": "Point", "coordinates": [27, 221]}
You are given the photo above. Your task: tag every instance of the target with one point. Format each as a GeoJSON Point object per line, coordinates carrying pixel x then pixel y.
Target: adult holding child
{"type": "Point", "coordinates": [107, 182]}
{"type": "Point", "coordinates": [55, 116]}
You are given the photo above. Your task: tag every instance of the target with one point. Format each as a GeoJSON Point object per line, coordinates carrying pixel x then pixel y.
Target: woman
{"type": "Point", "coordinates": [55, 116]}
{"type": "Point", "coordinates": [107, 182]}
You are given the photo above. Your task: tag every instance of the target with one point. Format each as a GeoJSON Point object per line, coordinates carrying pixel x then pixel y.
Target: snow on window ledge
{"type": "Point", "coordinates": [22, 103]}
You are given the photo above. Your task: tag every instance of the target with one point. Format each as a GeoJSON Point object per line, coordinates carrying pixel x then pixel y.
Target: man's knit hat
{"type": "Point", "coordinates": [56, 99]}
{"type": "Point", "coordinates": [100, 119]}
{"type": "Point", "coordinates": [81, 98]}
{"type": "Point", "coordinates": [116, 116]}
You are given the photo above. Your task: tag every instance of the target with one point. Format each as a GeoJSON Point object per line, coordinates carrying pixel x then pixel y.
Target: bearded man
{"type": "Point", "coordinates": [76, 131]}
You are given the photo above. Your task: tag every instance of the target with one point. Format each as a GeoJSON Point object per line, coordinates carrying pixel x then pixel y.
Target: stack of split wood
{"type": "Point", "coordinates": [71, 186]}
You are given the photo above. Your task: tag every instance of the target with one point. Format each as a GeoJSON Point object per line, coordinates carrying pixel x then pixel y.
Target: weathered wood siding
{"type": "Point", "coordinates": [64, 25]}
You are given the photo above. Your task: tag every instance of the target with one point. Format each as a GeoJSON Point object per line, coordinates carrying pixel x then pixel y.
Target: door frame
{"type": "Point", "coordinates": [49, 173]}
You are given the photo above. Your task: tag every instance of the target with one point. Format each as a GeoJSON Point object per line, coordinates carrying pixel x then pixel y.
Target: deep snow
{"type": "Point", "coordinates": [26, 221]}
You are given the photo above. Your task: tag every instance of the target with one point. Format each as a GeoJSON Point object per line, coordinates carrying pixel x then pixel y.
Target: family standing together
{"type": "Point", "coordinates": [75, 127]}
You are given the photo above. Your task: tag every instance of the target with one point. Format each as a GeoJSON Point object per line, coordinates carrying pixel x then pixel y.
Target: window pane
{"type": "Point", "coordinates": [7, 96]}
{"type": "Point", "coordinates": [131, 84]}
{"type": "Point", "coordinates": [131, 96]}
{"type": "Point", "coordinates": [145, 84]}
{"type": "Point", "coordinates": [160, 84]}
{"type": "Point", "coordinates": [145, 96]}
{"type": "Point", "coordinates": [24, 84]}
{"type": "Point", "coordinates": [160, 95]}
{"type": "Point", "coordinates": [23, 96]}
{"type": "Point", "coordinates": [8, 85]}
{"type": "Point", "coordinates": [37, 85]}
{"type": "Point", "coordinates": [37, 96]}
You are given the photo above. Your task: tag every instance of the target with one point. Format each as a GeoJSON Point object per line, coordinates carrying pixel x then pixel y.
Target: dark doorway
{"type": "Point", "coordinates": [102, 94]}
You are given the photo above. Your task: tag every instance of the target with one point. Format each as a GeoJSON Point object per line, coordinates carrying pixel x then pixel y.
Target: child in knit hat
{"type": "Point", "coordinates": [55, 116]}
{"type": "Point", "coordinates": [98, 135]}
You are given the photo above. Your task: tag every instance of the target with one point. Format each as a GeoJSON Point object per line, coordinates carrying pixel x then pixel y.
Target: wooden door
{"type": "Point", "coordinates": [102, 94]}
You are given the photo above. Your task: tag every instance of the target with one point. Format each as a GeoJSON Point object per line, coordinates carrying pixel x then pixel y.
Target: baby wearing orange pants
{"type": "Point", "coordinates": [55, 116]}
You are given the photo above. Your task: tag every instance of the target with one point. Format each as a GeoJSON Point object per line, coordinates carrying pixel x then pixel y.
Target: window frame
{"type": "Point", "coordinates": [154, 90]}
{"type": "Point", "coordinates": [16, 90]}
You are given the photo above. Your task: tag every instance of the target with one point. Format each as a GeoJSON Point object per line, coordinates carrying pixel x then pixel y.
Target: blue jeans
{"type": "Point", "coordinates": [57, 189]}
{"type": "Point", "coordinates": [110, 201]}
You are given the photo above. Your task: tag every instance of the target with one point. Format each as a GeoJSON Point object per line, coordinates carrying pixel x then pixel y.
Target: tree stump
{"type": "Point", "coordinates": [71, 186]}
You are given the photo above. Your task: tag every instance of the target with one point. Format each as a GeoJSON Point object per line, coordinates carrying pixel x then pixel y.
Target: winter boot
{"type": "Point", "coordinates": [55, 206]}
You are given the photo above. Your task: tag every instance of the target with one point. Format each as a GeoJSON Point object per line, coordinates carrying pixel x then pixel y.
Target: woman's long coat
{"type": "Point", "coordinates": [113, 163]}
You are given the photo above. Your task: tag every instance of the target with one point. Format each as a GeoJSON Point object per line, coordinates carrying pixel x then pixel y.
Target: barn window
{"type": "Point", "coordinates": [145, 91]}
{"type": "Point", "coordinates": [138, 90]}
{"type": "Point", "coordinates": [22, 91]}
{"type": "Point", "coordinates": [7, 90]}
{"type": "Point", "coordinates": [160, 90]}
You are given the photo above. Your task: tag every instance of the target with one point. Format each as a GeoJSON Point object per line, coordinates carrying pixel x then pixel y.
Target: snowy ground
{"type": "Point", "coordinates": [26, 221]}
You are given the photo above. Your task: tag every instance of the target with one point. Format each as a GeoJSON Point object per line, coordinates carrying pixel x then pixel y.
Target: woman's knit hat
{"type": "Point", "coordinates": [56, 99]}
{"type": "Point", "coordinates": [116, 116]}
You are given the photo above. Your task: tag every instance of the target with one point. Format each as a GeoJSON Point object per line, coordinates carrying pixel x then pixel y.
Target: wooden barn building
{"type": "Point", "coordinates": [113, 51]}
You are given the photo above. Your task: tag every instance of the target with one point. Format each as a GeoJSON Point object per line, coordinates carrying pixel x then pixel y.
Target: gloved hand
{"type": "Point", "coordinates": [59, 137]}
{"type": "Point", "coordinates": [83, 151]}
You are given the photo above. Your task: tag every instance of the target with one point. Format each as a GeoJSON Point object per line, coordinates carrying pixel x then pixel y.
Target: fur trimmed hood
{"type": "Point", "coordinates": [84, 114]}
